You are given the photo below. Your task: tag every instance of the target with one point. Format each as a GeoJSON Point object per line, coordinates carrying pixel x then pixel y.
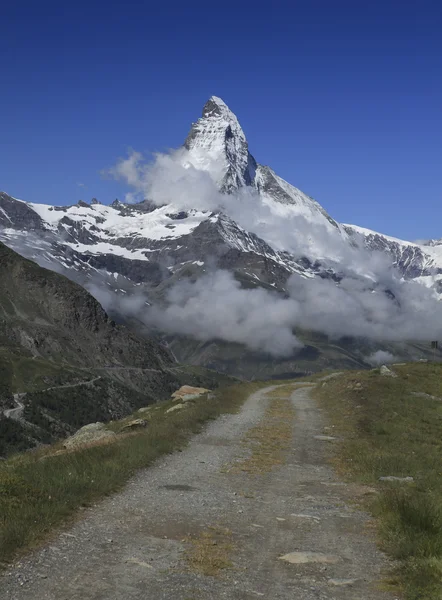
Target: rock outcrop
{"type": "Point", "coordinates": [134, 425]}
{"type": "Point", "coordinates": [187, 393]}
{"type": "Point", "coordinates": [386, 372]}
{"type": "Point", "coordinates": [89, 434]}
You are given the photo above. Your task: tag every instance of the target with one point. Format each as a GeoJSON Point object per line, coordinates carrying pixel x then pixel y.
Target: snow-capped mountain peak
{"type": "Point", "coordinates": [260, 228]}
{"type": "Point", "coordinates": [216, 143]}
{"type": "Point", "coordinates": [217, 107]}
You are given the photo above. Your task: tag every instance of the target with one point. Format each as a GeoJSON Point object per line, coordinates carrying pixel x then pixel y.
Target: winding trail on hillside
{"type": "Point", "coordinates": [17, 413]}
{"type": "Point", "coordinates": [72, 385]}
{"type": "Point", "coordinates": [134, 544]}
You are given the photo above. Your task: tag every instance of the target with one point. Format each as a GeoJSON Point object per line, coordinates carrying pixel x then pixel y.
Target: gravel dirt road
{"type": "Point", "coordinates": [288, 532]}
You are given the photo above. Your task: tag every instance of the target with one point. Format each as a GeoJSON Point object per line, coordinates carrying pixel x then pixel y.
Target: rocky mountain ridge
{"type": "Point", "coordinates": [140, 250]}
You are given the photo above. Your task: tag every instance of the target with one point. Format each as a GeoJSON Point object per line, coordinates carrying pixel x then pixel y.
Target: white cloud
{"type": "Point", "coordinates": [215, 307]}
{"type": "Point", "coordinates": [371, 300]}
{"type": "Point", "coordinates": [381, 357]}
{"type": "Point", "coordinates": [172, 179]}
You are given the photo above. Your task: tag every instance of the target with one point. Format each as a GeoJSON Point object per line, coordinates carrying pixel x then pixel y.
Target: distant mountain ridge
{"type": "Point", "coordinates": [134, 249]}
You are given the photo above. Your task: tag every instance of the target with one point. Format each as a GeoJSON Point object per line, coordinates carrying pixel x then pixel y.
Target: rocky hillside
{"type": "Point", "coordinates": [55, 318]}
{"type": "Point", "coordinates": [65, 363]}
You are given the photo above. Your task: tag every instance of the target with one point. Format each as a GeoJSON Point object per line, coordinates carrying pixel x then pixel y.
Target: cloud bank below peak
{"type": "Point", "coordinates": [370, 301]}
{"type": "Point", "coordinates": [172, 178]}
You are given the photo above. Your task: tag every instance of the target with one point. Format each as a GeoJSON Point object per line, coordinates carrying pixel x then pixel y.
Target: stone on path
{"type": "Point", "coordinates": [334, 483]}
{"type": "Point", "coordinates": [302, 558]}
{"type": "Point", "coordinates": [393, 478]}
{"type": "Point", "coordinates": [324, 438]}
{"type": "Point", "coordinates": [342, 582]}
{"type": "Point", "coordinates": [303, 516]}
{"type": "Point", "coordinates": [139, 563]}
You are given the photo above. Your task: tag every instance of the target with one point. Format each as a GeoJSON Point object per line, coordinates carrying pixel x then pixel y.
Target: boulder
{"type": "Point", "coordinates": [135, 424]}
{"type": "Point", "coordinates": [94, 432]}
{"type": "Point", "coordinates": [186, 393]}
{"type": "Point", "coordinates": [386, 372]}
{"type": "Point", "coordinates": [355, 386]}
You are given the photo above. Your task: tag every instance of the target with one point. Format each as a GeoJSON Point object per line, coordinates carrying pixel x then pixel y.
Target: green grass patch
{"type": "Point", "coordinates": [385, 429]}
{"type": "Point", "coordinates": [24, 373]}
{"type": "Point", "coordinates": [41, 491]}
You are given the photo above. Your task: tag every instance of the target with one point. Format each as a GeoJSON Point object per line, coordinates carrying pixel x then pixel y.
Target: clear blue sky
{"type": "Point", "coordinates": [343, 99]}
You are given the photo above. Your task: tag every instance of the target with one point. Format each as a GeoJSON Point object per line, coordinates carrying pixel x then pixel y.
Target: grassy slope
{"type": "Point", "coordinates": [41, 491]}
{"type": "Point", "coordinates": [53, 333]}
{"type": "Point", "coordinates": [385, 430]}
{"type": "Point", "coordinates": [21, 373]}
{"type": "Point", "coordinates": [28, 374]}
{"type": "Point", "coordinates": [58, 412]}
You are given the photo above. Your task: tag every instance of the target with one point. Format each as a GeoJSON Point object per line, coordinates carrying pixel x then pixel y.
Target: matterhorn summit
{"type": "Point", "coordinates": [258, 227]}
{"type": "Point", "coordinates": [217, 143]}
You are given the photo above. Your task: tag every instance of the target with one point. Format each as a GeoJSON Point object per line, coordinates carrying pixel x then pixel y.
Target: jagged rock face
{"type": "Point", "coordinates": [54, 318]}
{"type": "Point", "coordinates": [275, 188]}
{"type": "Point", "coordinates": [412, 260]}
{"type": "Point", "coordinates": [217, 143]}
{"type": "Point", "coordinates": [145, 244]}
{"type": "Point", "coordinates": [127, 246]}
{"type": "Point", "coordinates": [18, 215]}
{"type": "Point", "coordinates": [125, 249]}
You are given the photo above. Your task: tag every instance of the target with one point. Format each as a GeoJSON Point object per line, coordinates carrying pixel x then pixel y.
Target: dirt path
{"type": "Point", "coordinates": [134, 545]}
{"type": "Point", "coordinates": [72, 385]}
{"type": "Point", "coordinates": [17, 412]}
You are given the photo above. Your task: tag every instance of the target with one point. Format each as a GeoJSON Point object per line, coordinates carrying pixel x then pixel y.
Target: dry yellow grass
{"type": "Point", "coordinates": [271, 439]}
{"type": "Point", "coordinates": [209, 552]}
